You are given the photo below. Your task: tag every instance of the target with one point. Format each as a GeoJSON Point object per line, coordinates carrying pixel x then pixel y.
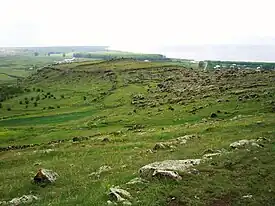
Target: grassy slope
{"type": "Point", "coordinates": [109, 88]}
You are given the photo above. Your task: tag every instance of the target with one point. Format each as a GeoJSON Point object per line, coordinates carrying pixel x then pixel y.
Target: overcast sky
{"type": "Point", "coordinates": [131, 24]}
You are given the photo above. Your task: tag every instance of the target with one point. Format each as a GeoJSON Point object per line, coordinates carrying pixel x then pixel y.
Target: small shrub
{"type": "Point", "coordinates": [62, 96]}
{"type": "Point", "coordinates": [38, 90]}
{"type": "Point", "coordinates": [50, 107]}
{"type": "Point", "coordinates": [33, 89]}
{"type": "Point", "coordinates": [9, 109]}
{"type": "Point", "coordinates": [35, 104]}
{"type": "Point", "coordinates": [26, 98]}
{"type": "Point", "coordinates": [26, 106]}
{"type": "Point", "coordinates": [44, 108]}
{"type": "Point", "coordinates": [58, 106]}
{"type": "Point", "coordinates": [84, 98]}
{"type": "Point", "coordinates": [1, 105]}
{"type": "Point", "coordinates": [48, 93]}
{"type": "Point", "coordinates": [37, 98]}
{"type": "Point", "coordinates": [32, 98]}
{"type": "Point", "coordinates": [26, 101]}
{"type": "Point", "coordinates": [20, 102]}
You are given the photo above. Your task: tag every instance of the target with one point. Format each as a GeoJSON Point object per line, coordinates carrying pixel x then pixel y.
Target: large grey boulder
{"type": "Point", "coordinates": [168, 165]}
{"type": "Point", "coordinates": [45, 176]}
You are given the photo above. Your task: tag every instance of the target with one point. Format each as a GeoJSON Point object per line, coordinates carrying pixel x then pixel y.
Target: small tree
{"type": "Point", "coordinates": [26, 106]}
{"type": "Point", "coordinates": [32, 98]}
{"type": "Point", "coordinates": [9, 109]}
{"type": "Point", "coordinates": [20, 102]}
{"type": "Point", "coordinates": [37, 98]}
{"type": "Point", "coordinates": [63, 54]}
{"type": "Point", "coordinates": [26, 101]}
{"type": "Point", "coordinates": [84, 98]}
{"type": "Point", "coordinates": [62, 96]}
{"type": "Point", "coordinates": [36, 54]}
{"type": "Point", "coordinates": [35, 104]}
{"type": "Point", "coordinates": [1, 105]}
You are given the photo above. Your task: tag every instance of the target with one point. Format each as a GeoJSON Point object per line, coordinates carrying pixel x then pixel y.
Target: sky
{"type": "Point", "coordinates": [135, 24]}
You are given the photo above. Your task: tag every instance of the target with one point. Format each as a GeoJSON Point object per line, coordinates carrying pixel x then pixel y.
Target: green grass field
{"type": "Point", "coordinates": [137, 104]}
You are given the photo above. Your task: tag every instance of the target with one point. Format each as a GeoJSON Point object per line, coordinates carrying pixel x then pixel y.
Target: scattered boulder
{"type": "Point", "coordinates": [213, 115]}
{"type": "Point", "coordinates": [244, 142]}
{"type": "Point", "coordinates": [25, 199]}
{"type": "Point", "coordinates": [247, 196]}
{"type": "Point", "coordinates": [171, 144]}
{"type": "Point", "coordinates": [102, 169]}
{"type": "Point", "coordinates": [160, 146]}
{"type": "Point", "coordinates": [137, 180]}
{"type": "Point", "coordinates": [168, 165]}
{"type": "Point", "coordinates": [79, 139]}
{"type": "Point", "coordinates": [105, 139]}
{"type": "Point", "coordinates": [120, 196]}
{"type": "Point", "coordinates": [45, 176]}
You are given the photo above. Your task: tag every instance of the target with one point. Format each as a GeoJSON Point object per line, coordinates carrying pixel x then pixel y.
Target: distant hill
{"type": "Point", "coordinates": [52, 50]}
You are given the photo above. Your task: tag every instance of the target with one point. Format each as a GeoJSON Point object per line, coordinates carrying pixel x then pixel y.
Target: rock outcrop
{"type": "Point", "coordinates": [45, 176]}
{"type": "Point", "coordinates": [152, 169]}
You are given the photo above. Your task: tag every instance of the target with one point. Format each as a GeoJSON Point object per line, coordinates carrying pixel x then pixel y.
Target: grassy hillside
{"type": "Point", "coordinates": [135, 105]}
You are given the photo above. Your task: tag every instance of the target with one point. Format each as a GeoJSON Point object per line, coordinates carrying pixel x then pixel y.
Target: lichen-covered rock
{"type": "Point", "coordinates": [45, 176]}
{"type": "Point", "coordinates": [23, 200]}
{"type": "Point", "coordinates": [119, 195]}
{"type": "Point", "coordinates": [244, 142]}
{"type": "Point", "coordinates": [167, 174]}
{"type": "Point", "coordinates": [168, 165]}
